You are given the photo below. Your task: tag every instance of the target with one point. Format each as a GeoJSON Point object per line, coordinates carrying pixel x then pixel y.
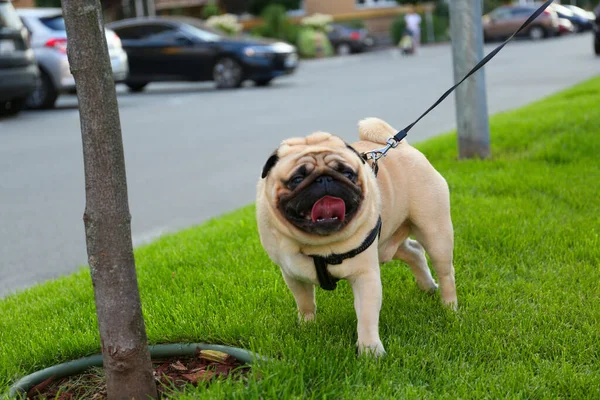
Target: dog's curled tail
{"type": "Point", "coordinates": [375, 130]}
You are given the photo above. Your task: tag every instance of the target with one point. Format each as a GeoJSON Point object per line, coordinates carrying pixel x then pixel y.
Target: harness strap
{"type": "Point", "coordinates": [328, 282]}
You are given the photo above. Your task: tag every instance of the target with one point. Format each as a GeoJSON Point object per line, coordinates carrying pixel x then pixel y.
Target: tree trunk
{"type": "Point", "coordinates": [125, 352]}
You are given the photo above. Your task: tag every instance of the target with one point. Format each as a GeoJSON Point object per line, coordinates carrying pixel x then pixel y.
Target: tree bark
{"type": "Point", "coordinates": [127, 364]}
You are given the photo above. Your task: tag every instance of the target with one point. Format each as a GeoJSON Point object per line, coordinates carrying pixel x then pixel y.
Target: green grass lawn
{"type": "Point", "coordinates": [527, 258]}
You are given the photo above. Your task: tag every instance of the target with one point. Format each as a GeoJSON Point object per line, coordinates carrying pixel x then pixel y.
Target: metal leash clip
{"type": "Point", "coordinates": [376, 154]}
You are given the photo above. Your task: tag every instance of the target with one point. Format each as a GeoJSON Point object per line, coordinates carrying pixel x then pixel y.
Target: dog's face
{"type": "Point", "coordinates": [316, 184]}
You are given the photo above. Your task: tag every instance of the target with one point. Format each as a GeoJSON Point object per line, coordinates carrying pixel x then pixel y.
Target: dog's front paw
{"type": "Point", "coordinates": [371, 350]}
{"type": "Point", "coordinates": [306, 317]}
{"type": "Point", "coordinates": [452, 304]}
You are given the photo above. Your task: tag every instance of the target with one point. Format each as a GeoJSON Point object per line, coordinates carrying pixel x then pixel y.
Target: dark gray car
{"type": "Point", "coordinates": [345, 39]}
{"type": "Point", "coordinates": [19, 73]}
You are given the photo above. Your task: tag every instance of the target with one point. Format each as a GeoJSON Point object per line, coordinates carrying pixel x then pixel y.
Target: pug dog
{"type": "Point", "coordinates": [323, 216]}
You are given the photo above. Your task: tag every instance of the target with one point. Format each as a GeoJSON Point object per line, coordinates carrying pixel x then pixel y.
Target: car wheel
{"type": "Point", "coordinates": [136, 87]}
{"type": "Point", "coordinates": [44, 96]}
{"type": "Point", "coordinates": [228, 73]}
{"type": "Point", "coordinates": [12, 107]}
{"type": "Point", "coordinates": [263, 82]}
{"type": "Point", "coordinates": [537, 33]}
{"type": "Point", "coordinates": [343, 49]}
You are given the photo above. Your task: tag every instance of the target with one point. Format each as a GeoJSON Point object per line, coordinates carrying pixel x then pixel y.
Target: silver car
{"type": "Point", "coordinates": [49, 43]}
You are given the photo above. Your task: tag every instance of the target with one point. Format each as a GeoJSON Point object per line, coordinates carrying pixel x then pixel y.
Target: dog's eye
{"type": "Point", "coordinates": [349, 174]}
{"type": "Point", "coordinates": [295, 181]}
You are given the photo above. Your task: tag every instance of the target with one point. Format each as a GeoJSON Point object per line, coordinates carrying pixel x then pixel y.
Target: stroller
{"type": "Point", "coordinates": [406, 43]}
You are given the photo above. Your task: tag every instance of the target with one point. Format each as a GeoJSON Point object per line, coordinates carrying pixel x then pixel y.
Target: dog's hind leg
{"type": "Point", "coordinates": [411, 252]}
{"type": "Point", "coordinates": [438, 241]}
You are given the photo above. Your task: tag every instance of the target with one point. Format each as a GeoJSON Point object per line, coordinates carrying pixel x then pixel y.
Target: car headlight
{"type": "Point", "coordinates": [255, 51]}
{"type": "Point", "coordinates": [281, 47]}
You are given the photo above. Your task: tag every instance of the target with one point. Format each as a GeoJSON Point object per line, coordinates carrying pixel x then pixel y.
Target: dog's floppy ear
{"type": "Point", "coordinates": [270, 164]}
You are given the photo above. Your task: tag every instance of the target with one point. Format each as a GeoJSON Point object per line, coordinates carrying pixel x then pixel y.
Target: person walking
{"type": "Point", "coordinates": [413, 23]}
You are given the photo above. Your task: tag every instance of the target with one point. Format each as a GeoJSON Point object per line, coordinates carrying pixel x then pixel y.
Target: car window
{"type": "Point", "coordinates": [202, 34]}
{"type": "Point", "coordinates": [9, 17]}
{"type": "Point", "coordinates": [153, 32]}
{"type": "Point", "coordinates": [158, 32]}
{"type": "Point", "coordinates": [500, 13]}
{"type": "Point", "coordinates": [522, 12]}
{"type": "Point", "coordinates": [56, 23]}
{"type": "Point", "coordinates": [129, 32]}
{"type": "Point", "coordinates": [169, 35]}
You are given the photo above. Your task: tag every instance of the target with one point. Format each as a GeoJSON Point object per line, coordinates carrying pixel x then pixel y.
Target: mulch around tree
{"type": "Point", "coordinates": [172, 375]}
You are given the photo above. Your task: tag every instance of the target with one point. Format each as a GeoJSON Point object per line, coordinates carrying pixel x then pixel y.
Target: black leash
{"type": "Point", "coordinates": [392, 142]}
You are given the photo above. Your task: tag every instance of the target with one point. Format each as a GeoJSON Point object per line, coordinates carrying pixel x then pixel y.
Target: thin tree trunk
{"type": "Point", "coordinates": [125, 352]}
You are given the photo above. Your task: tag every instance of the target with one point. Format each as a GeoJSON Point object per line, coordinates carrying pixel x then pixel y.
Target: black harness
{"type": "Point", "coordinates": [328, 282]}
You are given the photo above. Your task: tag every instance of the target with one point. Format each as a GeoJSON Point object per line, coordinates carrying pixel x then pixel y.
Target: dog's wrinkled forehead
{"type": "Point", "coordinates": [293, 150]}
{"type": "Point", "coordinates": [318, 141]}
{"type": "Point", "coordinates": [314, 145]}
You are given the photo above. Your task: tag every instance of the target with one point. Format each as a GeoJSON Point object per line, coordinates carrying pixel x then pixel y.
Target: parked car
{"type": "Point", "coordinates": [49, 42]}
{"type": "Point", "coordinates": [347, 40]}
{"type": "Point", "coordinates": [19, 73]}
{"type": "Point", "coordinates": [580, 11]}
{"type": "Point", "coordinates": [503, 21]}
{"type": "Point", "coordinates": [581, 22]}
{"type": "Point", "coordinates": [597, 31]}
{"type": "Point", "coordinates": [184, 49]}
{"type": "Point", "coordinates": [565, 27]}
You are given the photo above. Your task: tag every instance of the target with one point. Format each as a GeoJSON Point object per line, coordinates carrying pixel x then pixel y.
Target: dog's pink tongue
{"type": "Point", "coordinates": [328, 207]}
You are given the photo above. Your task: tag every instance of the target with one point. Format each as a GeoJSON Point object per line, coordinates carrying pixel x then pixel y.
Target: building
{"type": "Point", "coordinates": [337, 7]}
{"type": "Point", "coordinates": [377, 15]}
{"type": "Point", "coordinates": [187, 7]}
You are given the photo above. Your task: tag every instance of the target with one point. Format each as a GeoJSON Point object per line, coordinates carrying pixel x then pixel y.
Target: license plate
{"type": "Point", "coordinates": [291, 60]}
{"type": "Point", "coordinates": [7, 46]}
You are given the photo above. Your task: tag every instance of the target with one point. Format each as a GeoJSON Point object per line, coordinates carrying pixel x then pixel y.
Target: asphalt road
{"type": "Point", "coordinates": [193, 152]}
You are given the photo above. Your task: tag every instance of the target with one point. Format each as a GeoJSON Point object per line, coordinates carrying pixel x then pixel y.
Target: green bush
{"type": "Point", "coordinates": [210, 10]}
{"type": "Point", "coordinates": [307, 46]}
{"type": "Point", "coordinates": [442, 9]}
{"type": "Point", "coordinates": [257, 7]}
{"type": "Point", "coordinates": [47, 3]}
{"type": "Point", "coordinates": [277, 25]}
{"type": "Point", "coordinates": [397, 29]}
{"type": "Point", "coordinates": [291, 32]}
{"type": "Point", "coordinates": [441, 26]}
{"type": "Point", "coordinates": [275, 20]}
